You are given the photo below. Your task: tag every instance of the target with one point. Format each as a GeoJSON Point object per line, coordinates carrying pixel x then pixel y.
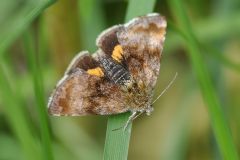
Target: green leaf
{"type": "Point", "coordinates": [219, 123]}
{"type": "Point", "coordinates": [117, 142]}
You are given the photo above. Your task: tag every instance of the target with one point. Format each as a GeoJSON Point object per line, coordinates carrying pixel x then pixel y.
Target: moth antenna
{"type": "Point", "coordinates": [169, 85]}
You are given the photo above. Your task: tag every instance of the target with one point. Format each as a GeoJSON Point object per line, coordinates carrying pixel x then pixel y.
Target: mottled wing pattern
{"type": "Point", "coordinates": [85, 88]}
{"type": "Point", "coordinates": [142, 42]}
{"type": "Point", "coordinates": [80, 93]}
{"type": "Point", "coordinates": [82, 60]}
{"type": "Point", "coordinates": [107, 40]}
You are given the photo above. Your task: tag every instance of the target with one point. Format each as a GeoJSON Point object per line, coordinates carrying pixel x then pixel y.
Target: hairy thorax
{"type": "Point", "coordinates": [137, 97]}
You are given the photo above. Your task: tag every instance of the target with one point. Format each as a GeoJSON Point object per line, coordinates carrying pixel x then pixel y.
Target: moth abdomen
{"type": "Point", "coordinates": [115, 72]}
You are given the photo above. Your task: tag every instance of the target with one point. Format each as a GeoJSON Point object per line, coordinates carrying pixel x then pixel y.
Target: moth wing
{"type": "Point", "coordinates": [107, 40]}
{"type": "Point", "coordinates": [82, 60]}
{"type": "Point", "coordinates": [79, 93]}
{"type": "Point", "coordinates": [142, 42]}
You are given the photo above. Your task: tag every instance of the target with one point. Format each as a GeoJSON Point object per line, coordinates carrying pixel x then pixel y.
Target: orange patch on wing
{"type": "Point", "coordinates": [117, 53]}
{"type": "Point", "coordinates": [96, 72]}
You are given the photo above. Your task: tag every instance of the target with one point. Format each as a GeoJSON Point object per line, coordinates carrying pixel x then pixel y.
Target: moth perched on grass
{"type": "Point", "coordinates": [119, 77]}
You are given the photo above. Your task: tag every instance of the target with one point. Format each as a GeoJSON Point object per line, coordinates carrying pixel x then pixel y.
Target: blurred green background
{"type": "Point", "coordinates": [38, 39]}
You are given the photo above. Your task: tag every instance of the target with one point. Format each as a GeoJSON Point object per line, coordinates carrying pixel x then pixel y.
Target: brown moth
{"type": "Point", "coordinates": [119, 77]}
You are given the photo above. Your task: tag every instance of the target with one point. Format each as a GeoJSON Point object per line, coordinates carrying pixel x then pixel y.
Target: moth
{"type": "Point", "coordinates": [119, 77]}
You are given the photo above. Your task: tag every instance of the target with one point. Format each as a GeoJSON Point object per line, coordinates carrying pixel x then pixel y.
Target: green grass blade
{"type": "Point", "coordinates": [34, 68]}
{"type": "Point", "coordinates": [139, 8]}
{"type": "Point", "coordinates": [219, 123]}
{"type": "Point", "coordinates": [12, 25]}
{"type": "Point", "coordinates": [208, 30]}
{"type": "Point", "coordinates": [117, 142]}
{"type": "Point", "coordinates": [92, 21]}
{"type": "Point", "coordinates": [14, 113]}
{"type": "Point", "coordinates": [213, 52]}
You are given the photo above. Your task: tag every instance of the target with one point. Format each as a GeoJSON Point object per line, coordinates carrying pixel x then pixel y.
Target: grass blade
{"type": "Point", "coordinates": [219, 123]}
{"type": "Point", "coordinates": [213, 52]}
{"type": "Point", "coordinates": [218, 55]}
{"type": "Point", "coordinates": [14, 113]}
{"type": "Point", "coordinates": [92, 21]}
{"type": "Point", "coordinates": [33, 65]}
{"type": "Point", "coordinates": [117, 142]}
{"type": "Point", "coordinates": [139, 8]}
{"type": "Point", "coordinates": [12, 25]}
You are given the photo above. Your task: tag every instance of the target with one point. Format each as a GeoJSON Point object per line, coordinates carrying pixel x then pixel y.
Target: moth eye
{"type": "Point", "coordinates": [96, 72]}
{"type": "Point", "coordinates": [117, 53]}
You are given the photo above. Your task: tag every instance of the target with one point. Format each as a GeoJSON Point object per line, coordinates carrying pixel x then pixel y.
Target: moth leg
{"type": "Point", "coordinates": [140, 112]}
{"type": "Point", "coordinates": [149, 110]}
{"type": "Point", "coordinates": [130, 119]}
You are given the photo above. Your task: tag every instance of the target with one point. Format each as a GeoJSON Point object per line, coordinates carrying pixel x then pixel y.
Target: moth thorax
{"type": "Point", "coordinates": [142, 97]}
